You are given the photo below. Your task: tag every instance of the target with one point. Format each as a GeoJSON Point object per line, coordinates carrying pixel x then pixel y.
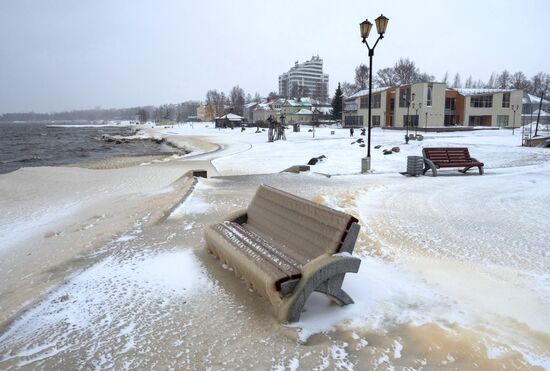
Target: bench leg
{"type": "Point", "coordinates": [333, 289]}
{"type": "Point", "coordinates": [429, 165]}
{"type": "Point", "coordinates": [469, 167]}
{"type": "Point", "coordinates": [328, 280]}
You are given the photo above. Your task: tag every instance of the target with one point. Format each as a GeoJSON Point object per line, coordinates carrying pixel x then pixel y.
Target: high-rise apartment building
{"type": "Point", "coordinates": [305, 80]}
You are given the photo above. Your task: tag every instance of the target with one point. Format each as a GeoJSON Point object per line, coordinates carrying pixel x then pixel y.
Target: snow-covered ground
{"type": "Point", "coordinates": [455, 269]}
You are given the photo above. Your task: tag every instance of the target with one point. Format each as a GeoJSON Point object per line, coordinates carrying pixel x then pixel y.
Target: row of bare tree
{"type": "Point", "coordinates": [405, 71]}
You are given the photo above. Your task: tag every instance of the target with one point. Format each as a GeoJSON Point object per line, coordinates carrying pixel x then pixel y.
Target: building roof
{"type": "Point", "coordinates": [543, 113]}
{"type": "Point", "coordinates": [530, 98]}
{"type": "Point", "coordinates": [303, 111]}
{"type": "Point", "coordinates": [231, 117]}
{"type": "Point", "coordinates": [303, 102]}
{"type": "Point", "coordinates": [475, 91]}
{"type": "Point", "coordinates": [264, 106]}
{"type": "Point", "coordinates": [324, 110]}
{"type": "Point", "coordinates": [365, 92]}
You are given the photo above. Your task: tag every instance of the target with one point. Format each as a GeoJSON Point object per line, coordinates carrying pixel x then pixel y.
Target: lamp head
{"type": "Point", "coordinates": [365, 28]}
{"type": "Point", "coordinates": [381, 24]}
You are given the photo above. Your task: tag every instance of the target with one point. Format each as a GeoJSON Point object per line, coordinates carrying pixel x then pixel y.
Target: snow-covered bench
{"type": "Point", "coordinates": [439, 157]}
{"type": "Point", "coordinates": [286, 247]}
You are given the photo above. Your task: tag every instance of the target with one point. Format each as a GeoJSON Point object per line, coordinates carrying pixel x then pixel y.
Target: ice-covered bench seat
{"type": "Point", "coordinates": [284, 247]}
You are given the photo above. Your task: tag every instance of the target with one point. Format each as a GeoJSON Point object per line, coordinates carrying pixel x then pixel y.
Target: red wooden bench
{"type": "Point", "coordinates": [441, 157]}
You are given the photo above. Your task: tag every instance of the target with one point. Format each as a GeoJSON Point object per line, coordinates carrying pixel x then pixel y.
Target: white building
{"type": "Point", "coordinates": [305, 79]}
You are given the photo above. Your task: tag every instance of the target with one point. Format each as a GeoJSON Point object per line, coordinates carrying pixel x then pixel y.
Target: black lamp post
{"type": "Point", "coordinates": [408, 123]}
{"type": "Point", "coordinates": [365, 27]}
{"type": "Point", "coordinates": [426, 124]}
{"type": "Point", "coordinates": [418, 106]}
{"type": "Point", "coordinates": [514, 108]}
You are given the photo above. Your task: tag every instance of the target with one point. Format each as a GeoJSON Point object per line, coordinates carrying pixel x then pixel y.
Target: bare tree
{"type": "Point", "coordinates": [385, 77]}
{"type": "Point", "coordinates": [299, 91]}
{"type": "Point", "coordinates": [257, 97]}
{"type": "Point", "coordinates": [361, 76]}
{"type": "Point", "coordinates": [539, 82]}
{"type": "Point", "coordinates": [142, 116]}
{"type": "Point", "coordinates": [469, 82]}
{"type": "Point", "coordinates": [519, 81]}
{"type": "Point", "coordinates": [424, 77]}
{"type": "Point", "coordinates": [406, 71]}
{"type": "Point", "coordinates": [215, 102]}
{"type": "Point", "coordinates": [272, 96]}
{"type": "Point", "coordinates": [236, 99]}
{"type": "Point", "coordinates": [456, 82]}
{"type": "Point", "coordinates": [492, 83]}
{"type": "Point", "coordinates": [503, 80]}
{"type": "Point", "coordinates": [445, 78]}
{"type": "Point", "coordinates": [478, 84]}
{"type": "Point", "coordinates": [348, 88]}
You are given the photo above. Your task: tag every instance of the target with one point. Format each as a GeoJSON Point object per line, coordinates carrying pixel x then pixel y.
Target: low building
{"type": "Point", "coordinates": [248, 110]}
{"type": "Point", "coordinates": [432, 105]}
{"type": "Point", "coordinates": [229, 120]}
{"type": "Point", "coordinates": [297, 110]}
{"type": "Point", "coordinates": [262, 111]}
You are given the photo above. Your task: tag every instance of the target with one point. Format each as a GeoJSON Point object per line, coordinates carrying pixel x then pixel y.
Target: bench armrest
{"type": "Point", "coordinates": [324, 274]}
{"type": "Point", "coordinates": [239, 216]}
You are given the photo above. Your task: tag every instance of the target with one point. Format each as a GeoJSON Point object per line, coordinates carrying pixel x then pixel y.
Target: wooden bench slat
{"type": "Point", "coordinates": [290, 226]}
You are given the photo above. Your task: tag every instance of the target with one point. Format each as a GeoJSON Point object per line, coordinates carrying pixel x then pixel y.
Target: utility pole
{"type": "Point", "coordinates": [540, 108]}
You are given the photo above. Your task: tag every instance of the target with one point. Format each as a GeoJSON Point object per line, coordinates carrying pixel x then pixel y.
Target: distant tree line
{"type": "Point", "coordinates": [405, 71]}
{"type": "Point", "coordinates": [166, 112]}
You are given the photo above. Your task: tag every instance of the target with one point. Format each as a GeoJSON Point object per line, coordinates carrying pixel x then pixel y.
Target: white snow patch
{"type": "Point", "coordinates": [384, 296]}
{"type": "Point", "coordinates": [192, 205]}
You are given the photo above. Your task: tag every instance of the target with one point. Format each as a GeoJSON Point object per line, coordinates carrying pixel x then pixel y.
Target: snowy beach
{"type": "Point", "coordinates": [106, 268]}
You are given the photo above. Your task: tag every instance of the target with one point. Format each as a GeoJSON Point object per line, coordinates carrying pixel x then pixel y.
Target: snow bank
{"type": "Point", "coordinates": [384, 296]}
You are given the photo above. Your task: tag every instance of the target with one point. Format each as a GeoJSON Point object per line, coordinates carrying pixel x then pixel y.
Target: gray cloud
{"type": "Point", "coordinates": [59, 55]}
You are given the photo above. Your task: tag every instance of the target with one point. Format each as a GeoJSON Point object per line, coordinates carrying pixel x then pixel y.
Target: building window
{"type": "Point", "coordinates": [502, 120]}
{"type": "Point", "coordinates": [479, 120]}
{"type": "Point", "coordinates": [350, 107]}
{"type": "Point", "coordinates": [481, 101]}
{"type": "Point", "coordinates": [506, 100]}
{"type": "Point", "coordinates": [376, 101]}
{"type": "Point", "coordinates": [450, 104]}
{"type": "Point", "coordinates": [375, 120]}
{"type": "Point", "coordinates": [404, 97]}
{"type": "Point", "coordinates": [410, 120]}
{"type": "Point", "coordinates": [429, 102]}
{"type": "Point", "coordinates": [353, 121]}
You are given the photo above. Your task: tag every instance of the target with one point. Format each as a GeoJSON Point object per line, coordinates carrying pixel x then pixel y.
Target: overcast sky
{"type": "Point", "coordinates": [62, 55]}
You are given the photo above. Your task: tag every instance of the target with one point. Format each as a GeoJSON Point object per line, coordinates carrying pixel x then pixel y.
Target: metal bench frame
{"type": "Point", "coordinates": [433, 166]}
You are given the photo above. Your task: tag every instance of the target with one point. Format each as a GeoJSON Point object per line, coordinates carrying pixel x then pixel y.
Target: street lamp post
{"type": "Point", "coordinates": [408, 123]}
{"type": "Point", "coordinates": [514, 108]}
{"type": "Point", "coordinates": [365, 27]}
{"type": "Point", "coordinates": [418, 106]}
{"type": "Point", "coordinates": [426, 124]}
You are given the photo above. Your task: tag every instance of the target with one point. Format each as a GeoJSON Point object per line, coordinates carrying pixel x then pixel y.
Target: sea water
{"type": "Point", "coordinates": [41, 144]}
